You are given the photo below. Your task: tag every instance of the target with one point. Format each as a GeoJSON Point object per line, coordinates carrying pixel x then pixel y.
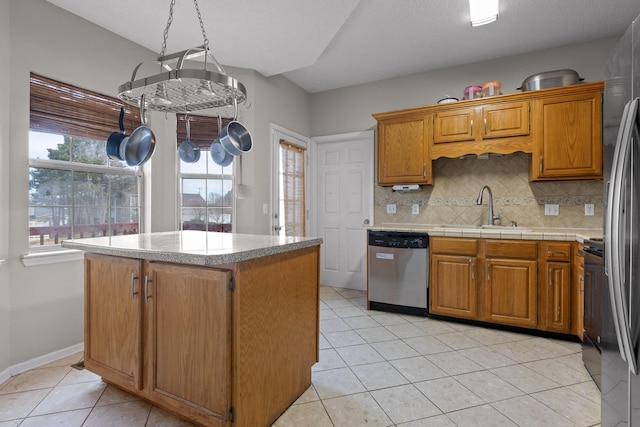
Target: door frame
{"type": "Point", "coordinates": [277, 133]}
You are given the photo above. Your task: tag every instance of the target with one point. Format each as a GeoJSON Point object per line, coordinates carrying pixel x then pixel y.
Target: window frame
{"type": "Point", "coordinates": [204, 130]}
{"type": "Point", "coordinates": [66, 99]}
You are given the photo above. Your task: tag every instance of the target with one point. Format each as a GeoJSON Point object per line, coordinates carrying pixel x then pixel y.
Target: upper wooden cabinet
{"type": "Point", "coordinates": [568, 144]}
{"type": "Point", "coordinates": [494, 120]}
{"type": "Point", "coordinates": [454, 125]}
{"type": "Point", "coordinates": [403, 151]}
{"type": "Point", "coordinates": [561, 127]}
{"type": "Point", "coordinates": [505, 119]}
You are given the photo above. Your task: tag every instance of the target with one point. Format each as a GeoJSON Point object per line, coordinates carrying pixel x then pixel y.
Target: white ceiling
{"type": "Point", "coordinates": [327, 44]}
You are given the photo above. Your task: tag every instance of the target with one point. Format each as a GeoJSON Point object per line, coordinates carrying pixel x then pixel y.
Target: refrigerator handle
{"type": "Point", "coordinates": [613, 255]}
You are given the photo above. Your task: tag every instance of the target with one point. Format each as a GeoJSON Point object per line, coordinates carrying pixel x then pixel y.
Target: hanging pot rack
{"type": "Point", "coordinates": [182, 90]}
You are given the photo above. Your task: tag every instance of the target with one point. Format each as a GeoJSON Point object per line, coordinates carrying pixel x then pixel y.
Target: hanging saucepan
{"type": "Point", "coordinates": [142, 142]}
{"type": "Point", "coordinates": [188, 151]}
{"type": "Point", "coordinates": [114, 140]}
{"type": "Point", "coordinates": [219, 155]}
{"type": "Point", "coordinates": [235, 138]}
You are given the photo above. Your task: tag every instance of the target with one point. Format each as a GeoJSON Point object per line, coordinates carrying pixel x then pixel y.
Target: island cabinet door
{"type": "Point", "coordinates": [188, 328]}
{"type": "Point", "coordinates": [113, 319]}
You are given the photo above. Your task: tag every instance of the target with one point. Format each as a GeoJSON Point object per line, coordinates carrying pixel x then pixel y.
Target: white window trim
{"type": "Point", "coordinates": [53, 254]}
{"type": "Point", "coordinates": [51, 257]}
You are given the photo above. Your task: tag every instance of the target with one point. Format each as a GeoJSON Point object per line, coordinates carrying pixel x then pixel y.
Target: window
{"type": "Point", "coordinates": [292, 209]}
{"type": "Point", "coordinates": [75, 190]}
{"type": "Point", "coordinates": [206, 189]}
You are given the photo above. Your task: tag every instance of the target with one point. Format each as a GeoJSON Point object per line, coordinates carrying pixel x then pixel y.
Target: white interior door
{"type": "Point", "coordinates": [343, 197]}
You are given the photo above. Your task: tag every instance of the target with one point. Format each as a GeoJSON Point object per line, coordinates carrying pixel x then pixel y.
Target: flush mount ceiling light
{"type": "Point", "coordinates": [181, 90]}
{"type": "Point", "coordinates": [483, 11]}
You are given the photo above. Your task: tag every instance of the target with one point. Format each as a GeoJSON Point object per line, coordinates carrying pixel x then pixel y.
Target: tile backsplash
{"type": "Point", "coordinates": [456, 184]}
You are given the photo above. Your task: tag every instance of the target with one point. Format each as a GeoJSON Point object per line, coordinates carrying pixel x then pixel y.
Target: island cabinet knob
{"type": "Point", "coordinates": [147, 295]}
{"type": "Point", "coordinates": [133, 286]}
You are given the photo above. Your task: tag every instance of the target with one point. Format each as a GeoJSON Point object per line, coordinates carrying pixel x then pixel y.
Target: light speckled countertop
{"type": "Point", "coordinates": [496, 232]}
{"type": "Point", "coordinates": [192, 247]}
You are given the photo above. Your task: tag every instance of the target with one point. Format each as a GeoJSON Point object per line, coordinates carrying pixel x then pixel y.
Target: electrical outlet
{"type": "Point", "coordinates": [551, 209]}
{"type": "Point", "coordinates": [589, 209]}
{"type": "Point", "coordinates": [391, 208]}
{"type": "Point", "coordinates": [415, 209]}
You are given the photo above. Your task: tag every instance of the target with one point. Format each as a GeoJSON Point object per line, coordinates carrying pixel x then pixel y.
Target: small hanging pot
{"type": "Point", "coordinates": [220, 156]}
{"type": "Point", "coordinates": [188, 151]}
{"type": "Point", "coordinates": [115, 139]}
{"type": "Point", "coordinates": [139, 147]}
{"type": "Point", "coordinates": [235, 138]}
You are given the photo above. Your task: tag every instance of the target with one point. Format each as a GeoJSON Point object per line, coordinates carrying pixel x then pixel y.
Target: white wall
{"type": "Point", "coordinates": [5, 349]}
{"type": "Point", "coordinates": [350, 109]}
{"type": "Point", "coordinates": [289, 107]}
{"type": "Point", "coordinates": [41, 308]}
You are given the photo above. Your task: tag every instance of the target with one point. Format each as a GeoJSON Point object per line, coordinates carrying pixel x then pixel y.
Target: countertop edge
{"type": "Point", "coordinates": [530, 233]}
{"type": "Point", "coordinates": [192, 258]}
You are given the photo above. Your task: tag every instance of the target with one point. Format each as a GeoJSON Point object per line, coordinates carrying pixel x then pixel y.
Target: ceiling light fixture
{"type": "Point", "coordinates": [181, 90]}
{"type": "Point", "coordinates": [483, 11]}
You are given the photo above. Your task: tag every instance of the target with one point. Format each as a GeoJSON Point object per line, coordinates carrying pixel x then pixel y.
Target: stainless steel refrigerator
{"type": "Point", "coordinates": [621, 293]}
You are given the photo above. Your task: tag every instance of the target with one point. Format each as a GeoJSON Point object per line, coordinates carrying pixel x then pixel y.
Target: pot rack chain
{"type": "Point", "coordinates": [165, 34]}
{"type": "Point", "coordinates": [179, 90]}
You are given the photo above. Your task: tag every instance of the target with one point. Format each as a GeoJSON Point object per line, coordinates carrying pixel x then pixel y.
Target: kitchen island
{"type": "Point", "coordinates": [218, 328]}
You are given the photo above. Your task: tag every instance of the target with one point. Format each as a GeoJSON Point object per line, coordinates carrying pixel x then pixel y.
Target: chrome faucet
{"type": "Point", "coordinates": [492, 218]}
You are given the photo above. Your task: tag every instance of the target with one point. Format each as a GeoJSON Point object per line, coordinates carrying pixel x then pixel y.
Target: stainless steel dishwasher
{"type": "Point", "coordinates": [398, 272]}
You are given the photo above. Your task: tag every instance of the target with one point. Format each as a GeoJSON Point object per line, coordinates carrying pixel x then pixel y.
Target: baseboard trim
{"type": "Point", "coordinates": [40, 361]}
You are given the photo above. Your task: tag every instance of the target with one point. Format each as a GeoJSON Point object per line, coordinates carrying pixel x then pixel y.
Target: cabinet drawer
{"type": "Point", "coordinates": [511, 249]}
{"type": "Point", "coordinates": [556, 251]}
{"type": "Point", "coordinates": [454, 246]}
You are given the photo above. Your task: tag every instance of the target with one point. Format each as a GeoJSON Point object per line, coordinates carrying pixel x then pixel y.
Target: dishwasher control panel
{"type": "Point", "coordinates": [398, 239]}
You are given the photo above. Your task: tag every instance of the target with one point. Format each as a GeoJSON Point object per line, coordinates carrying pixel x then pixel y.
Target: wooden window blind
{"type": "Point", "coordinates": [64, 109]}
{"type": "Point", "coordinates": [292, 181]}
{"type": "Point", "coordinates": [204, 129]}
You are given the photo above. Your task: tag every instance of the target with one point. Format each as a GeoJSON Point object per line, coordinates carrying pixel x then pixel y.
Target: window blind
{"type": "Point", "coordinates": [204, 129]}
{"type": "Point", "coordinates": [64, 109]}
{"type": "Point", "coordinates": [292, 180]}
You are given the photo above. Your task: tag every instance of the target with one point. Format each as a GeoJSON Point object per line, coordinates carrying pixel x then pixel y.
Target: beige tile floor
{"type": "Point", "coordinates": [375, 369]}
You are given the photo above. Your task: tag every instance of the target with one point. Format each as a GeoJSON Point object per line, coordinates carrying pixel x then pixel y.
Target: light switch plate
{"type": "Point", "coordinates": [415, 209]}
{"type": "Point", "coordinates": [589, 209]}
{"type": "Point", "coordinates": [391, 208]}
{"type": "Point", "coordinates": [551, 209]}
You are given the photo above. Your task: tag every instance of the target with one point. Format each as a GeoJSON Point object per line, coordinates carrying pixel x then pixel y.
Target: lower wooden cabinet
{"type": "Point", "coordinates": [519, 283]}
{"type": "Point", "coordinates": [230, 345]}
{"type": "Point", "coordinates": [172, 319]}
{"type": "Point", "coordinates": [453, 286]}
{"type": "Point", "coordinates": [510, 292]}
{"type": "Point", "coordinates": [578, 276]}
{"type": "Point", "coordinates": [113, 320]}
{"type": "Point", "coordinates": [555, 287]}
{"type": "Point", "coordinates": [188, 354]}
